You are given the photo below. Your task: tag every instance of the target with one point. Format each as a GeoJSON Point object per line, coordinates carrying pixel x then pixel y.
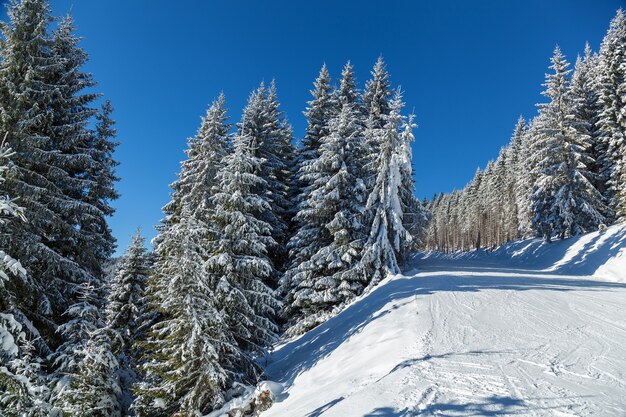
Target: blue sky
{"type": "Point", "coordinates": [468, 70]}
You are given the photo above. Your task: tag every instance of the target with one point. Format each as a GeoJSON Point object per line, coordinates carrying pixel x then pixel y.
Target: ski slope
{"type": "Point", "coordinates": [528, 330]}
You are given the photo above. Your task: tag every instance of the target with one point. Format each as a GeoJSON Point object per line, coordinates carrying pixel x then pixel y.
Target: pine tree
{"type": "Point", "coordinates": [520, 169]}
{"type": "Point", "coordinates": [189, 335]}
{"type": "Point", "coordinates": [93, 390]}
{"type": "Point", "coordinates": [85, 369]}
{"type": "Point", "coordinates": [387, 235]}
{"type": "Point", "coordinates": [415, 216]}
{"type": "Point", "coordinates": [586, 110]}
{"type": "Point", "coordinates": [239, 261]}
{"type": "Point", "coordinates": [377, 94]}
{"type": "Point", "coordinates": [333, 275]}
{"type": "Point", "coordinates": [45, 109]}
{"type": "Point", "coordinates": [263, 123]}
{"type": "Point", "coordinates": [204, 157]}
{"type": "Point", "coordinates": [182, 360]}
{"type": "Point", "coordinates": [376, 102]}
{"type": "Point", "coordinates": [126, 311]}
{"type": "Point", "coordinates": [101, 191]}
{"type": "Point", "coordinates": [612, 122]}
{"type": "Point", "coordinates": [275, 147]}
{"type": "Point", "coordinates": [22, 386]}
{"type": "Point", "coordinates": [310, 234]}
{"type": "Point", "coordinates": [564, 201]}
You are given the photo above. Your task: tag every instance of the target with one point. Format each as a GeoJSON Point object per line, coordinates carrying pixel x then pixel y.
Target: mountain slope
{"type": "Point", "coordinates": [529, 329]}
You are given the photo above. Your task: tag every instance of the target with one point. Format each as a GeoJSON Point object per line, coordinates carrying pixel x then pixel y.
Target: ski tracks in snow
{"type": "Point", "coordinates": [518, 352]}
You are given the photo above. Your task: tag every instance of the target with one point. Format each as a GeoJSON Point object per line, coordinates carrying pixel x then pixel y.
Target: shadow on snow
{"type": "Point", "coordinates": [302, 353]}
{"type": "Point", "coordinates": [490, 406]}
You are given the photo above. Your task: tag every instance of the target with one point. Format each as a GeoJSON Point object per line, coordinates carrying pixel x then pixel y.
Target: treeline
{"type": "Point", "coordinates": [260, 237]}
{"type": "Point", "coordinates": [563, 173]}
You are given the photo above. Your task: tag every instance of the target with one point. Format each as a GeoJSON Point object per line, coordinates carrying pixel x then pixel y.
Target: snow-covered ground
{"type": "Point", "coordinates": [528, 330]}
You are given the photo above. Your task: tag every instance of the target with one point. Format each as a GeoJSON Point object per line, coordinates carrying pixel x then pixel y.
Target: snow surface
{"type": "Point", "coordinates": [530, 329]}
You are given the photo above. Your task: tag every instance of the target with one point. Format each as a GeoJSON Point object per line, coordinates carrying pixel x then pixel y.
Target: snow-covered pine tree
{"type": "Point", "coordinates": [189, 336]}
{"type": "Point", "coordinates": [239, 263]}
{"type": "Point", "coordinates": [265, 124]}
{"type": "Point", "coordinates": [25, 53]}
{"type": "Point", "coordinates": [126, 311]}
{"type": "Point", "coordinates": [513, 155]}
{"type": "Point", "coordinates": [93, 390]}
{"type": "Point", "coordinates": [182, 359]}
{"type": "Point", "coordinates": [415, 216]}
{"type": "Point", "coordinates": [22, 385]}
{"type": "Point", "coordinates": [519, 168]}
{"type": "Point", "coordinates": [475, 209]}
{"type": "Point", "coordinates": [76, 170]}
{"type": "Point", "coordinates": [486, 199]}
{"type": "Point", "coordinates": [47, 113]}
{"type": "Point", "coordinates": [564, 201]}
{"type": "Point", "coordinates": [85, 368]}
{"type": "Point", "coordinates": [612, 122]}
{"type": "Point", "coordinates": [275, 147]}
{"type": "Point", "coordinates": [500, 207]}
{"type": "Point", "coordinates": [377, 94]}
{"type": "Point", "coordinates": [101, 190]}
{"type": "Point", "coordinates": [387, 236]}
{"type": "Point", "coordinates": [333, 275]}
{"type": "Point", "coordinates": [205, 152]}
{"type": "Point", "coordinates": [310, 234]}
{"type": "Point", "coordinates": [376, 102]}
{"type": "Point", "coordinates": [586, 110]}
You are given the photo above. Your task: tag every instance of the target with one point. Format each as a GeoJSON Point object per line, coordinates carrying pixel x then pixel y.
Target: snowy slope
{"type": "Point", "coordinates": [479, 334]}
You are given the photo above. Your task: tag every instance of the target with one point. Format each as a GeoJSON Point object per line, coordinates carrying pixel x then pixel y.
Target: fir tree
{"type": "Point", "coordinates": [187, 332]}
{"type": "Point", "coordinates": [44, 106]}
{"type": "Point", "coordinates": [93, 390]}
{"type": "Point", "coordinates": [519, 167]}
{"type": "Point", "coordinates": [182, 364]}
{"type": "Point", "coordinates": [204, 157]}
{"type": "Point", "coordinates": [271, 137]}
{"type": "Point", "coordinates": [387, 235]}
{"type": "Point", "coordinates": [332, 276]}
{"type": "Point", "coordinates": [239, 262]}
{"type": "Point", "coordinates": [376, 103]}
{"type": "Point", "coordinates": [101, 191]}
{"type": "Point", "coordinates": [126, 312]}
{"type": "Point", "coordinates": [277, 151]}
{"type": "Point", "coordinates": [310, 234]}
{"type": "Point", "coordinates": [22, 384]}
{"type": "Point", "coordinates": [564, 201]}
{"type": "Point", "coordinates": [612, 93]}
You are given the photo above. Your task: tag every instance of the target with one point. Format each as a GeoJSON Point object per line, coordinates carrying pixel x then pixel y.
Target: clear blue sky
{"type": "Point", "coordinates": [468, 69]}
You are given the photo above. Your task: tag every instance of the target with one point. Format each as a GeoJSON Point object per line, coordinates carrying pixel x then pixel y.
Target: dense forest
{"type": "Point", "coordinates": [264, 237]}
